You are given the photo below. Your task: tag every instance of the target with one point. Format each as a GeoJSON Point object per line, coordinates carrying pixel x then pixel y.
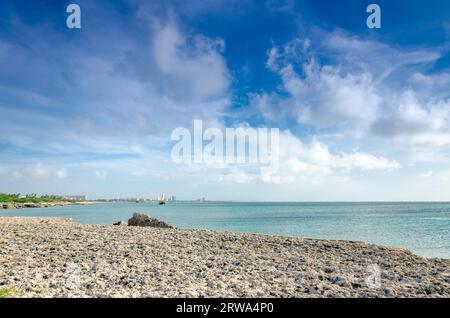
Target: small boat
{"type": "Point", "coordinates": [162, 199]}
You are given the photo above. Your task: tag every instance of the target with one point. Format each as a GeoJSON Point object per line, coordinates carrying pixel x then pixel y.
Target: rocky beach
{"type": "Point", "coordinates": [19, 205]}
{"type": "Point", "coordinates": [44, 257]}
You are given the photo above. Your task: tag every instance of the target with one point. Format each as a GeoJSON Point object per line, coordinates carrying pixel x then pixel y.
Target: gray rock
{"type": "Point", "coordinates": [144, 220]}
{"type": "Point", "coordinates": [121, 223]}
{"type": "Point", "coordinates": [313, 290]}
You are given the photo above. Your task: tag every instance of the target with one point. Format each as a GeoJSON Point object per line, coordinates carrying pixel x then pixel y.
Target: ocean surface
{"type": "Point", "coordinates": [423, 228]}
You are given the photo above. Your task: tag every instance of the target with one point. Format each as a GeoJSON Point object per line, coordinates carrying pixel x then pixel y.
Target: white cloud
{"type": "Point", "coordinates": [238, 176]}
{"type": "Point", "coordinates": [100, 175]}
{"type": "Point", "coordinates": [37, 171]}
{"type": "Point", "coordinates": [426, 174]}
{"type": "Point", "coordinates": [367, 88]}
{"type": "Point", "coordinates": [272, 59]}
{"type": "Point", "coordinates": [193, 67]}
{"type": "Point", "coordinates": [32, 172]}
{"type": "Point", "coordinates": [366, 161]}
{"type": "Point", "coordinates": [431, 86]}
{"type": "Point", "coordinates": [303, 163]}
{"type": "Point", "coordinates": [375, 57]}
{"type": "Point", "coordinates": [320, 96]}
{"type": "Point", "coordinates": [412, 121]}
{"type": "Point", "coordinates": [313, 162]}
{"type": "Point", "coordinates": [61, 173]}
{"type": "Point", "coordinates": [444, 176]}
{"type": "Point", "coordinates": [327, 99]}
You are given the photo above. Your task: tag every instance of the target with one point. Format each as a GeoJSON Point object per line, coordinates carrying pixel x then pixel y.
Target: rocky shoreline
{"type": "Point", "coordinates": [43, 257]}
{"type": "Point", "coordinates": [16, 205]}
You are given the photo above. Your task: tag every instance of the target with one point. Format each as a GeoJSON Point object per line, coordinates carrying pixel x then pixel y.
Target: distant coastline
{"type": "Point", "coordinates": [20, 205]}
{"type": "Point", "coordinates": [17, 201]}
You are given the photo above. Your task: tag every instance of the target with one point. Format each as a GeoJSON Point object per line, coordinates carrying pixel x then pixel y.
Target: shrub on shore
{"type": "Point", "coordinates": [29, 198]}
{"type": "Point", "coordinates": [8, 292]}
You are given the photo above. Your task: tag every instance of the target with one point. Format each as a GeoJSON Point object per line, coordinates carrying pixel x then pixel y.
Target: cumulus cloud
{"type": "Point", "coordinates": [301, 162]}
{"type": "Point", "coordinates": [319, 95]}
{"type": "Point", "coordinates": [61, 173]}
{"type": "Point", "coordinates": [413, 121]}
{"type": "Point", "coordinates": [100, 175]}
{"type": "Point", "coordinates": [426, 174]}
{"type": "Point", "coordinates": [365, 88]}
{"type": "Point", "coordinates": [30, 172]}
{"type": "Point", "coordinates": [192, 67]}
{"type": "Point", "coordinates": [327, 99]}
{"type": "Point", "coordinates": [313, 162]}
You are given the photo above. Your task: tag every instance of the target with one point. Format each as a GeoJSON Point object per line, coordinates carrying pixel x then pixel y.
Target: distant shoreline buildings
{"type": "Point", "coordinates": [159, 198]}
{"type": "Point", "coordinates": [73, 197]}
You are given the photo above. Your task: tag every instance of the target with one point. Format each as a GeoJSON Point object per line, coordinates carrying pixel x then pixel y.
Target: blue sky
{"type": "Point", "coordinates": [363, 114]}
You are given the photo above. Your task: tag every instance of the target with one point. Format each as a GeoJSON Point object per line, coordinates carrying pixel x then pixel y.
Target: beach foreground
{"type": "Point", "coordinates": [43, 257]}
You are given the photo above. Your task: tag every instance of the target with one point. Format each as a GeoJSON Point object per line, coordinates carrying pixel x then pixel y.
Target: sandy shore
{"type": "Point", "coordinates": [59, 258]}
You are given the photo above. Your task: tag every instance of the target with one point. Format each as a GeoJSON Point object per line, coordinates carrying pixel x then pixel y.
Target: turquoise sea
{"type": "Point", "coordinates": [423, 228]}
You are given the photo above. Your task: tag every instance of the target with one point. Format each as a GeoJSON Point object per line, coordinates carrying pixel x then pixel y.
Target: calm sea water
{"type": "Point", "coordinates": [423, 228]}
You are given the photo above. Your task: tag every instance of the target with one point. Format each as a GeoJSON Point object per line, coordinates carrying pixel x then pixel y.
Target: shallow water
{"type": "Point", "coordinates": [423, 228]}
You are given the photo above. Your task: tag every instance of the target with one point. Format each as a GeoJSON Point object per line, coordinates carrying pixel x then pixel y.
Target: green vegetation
{"type": "Point", "coordinates": [30, 198]}
{"type": "Point", "coordinates": [8, 292]}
